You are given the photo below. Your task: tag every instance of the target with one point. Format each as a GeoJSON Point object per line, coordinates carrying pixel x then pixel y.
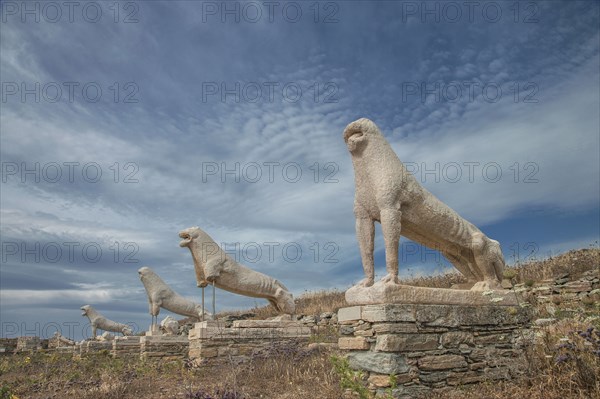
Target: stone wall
{"type": "Point", "coordinates": [586, 288]}
{"type": "Point", "coordinates": [428, 347]}
{"type": "Point", "coordinates": [58, 341]}
{"type": "Point", "coordinates": [126, 346]}
{"type": "Point", "coordinates": [8, 345]}
{"type": "Point", "coordinates": [26, 344]}
{"type": "Point", "coordinates": [164, 347]}
{"type": "Point", "coordinates": [213, 342]}
{"type": "Point", "coordinates": [91, 347]}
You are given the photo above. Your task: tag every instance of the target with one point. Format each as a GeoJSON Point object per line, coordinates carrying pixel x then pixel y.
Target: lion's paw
{"type": "Point", "coordinates": [487, 285]}
{"type": "Point", "coordinates": [366, 282]}
{"type": "Point", "coordinates": [390, 279]}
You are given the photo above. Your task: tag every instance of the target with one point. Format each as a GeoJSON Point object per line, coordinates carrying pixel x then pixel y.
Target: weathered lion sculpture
{"type": "Point", "coordinates": [160, 295]}
{"type": "Point", "coordinates": [213, 265]}
{"type": "Point", "coordinates": [387, 193]}
{"type": "Point", "coordinates": [100, 322]}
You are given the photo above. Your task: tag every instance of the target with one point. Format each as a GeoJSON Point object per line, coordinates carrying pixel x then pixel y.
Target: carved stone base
{"type": "Point", "coordinates": [164, 348]}
{"type": "Point", "coordinates": [126, 346]}
{"type": "Point", "coordinates": [212, 342]}
{"type": "Point", "coordinates": [381, 292]}
{"type": "Point", "coordinates": [153, 331]}
{"type": "Point", "coordinates": [428, 348]}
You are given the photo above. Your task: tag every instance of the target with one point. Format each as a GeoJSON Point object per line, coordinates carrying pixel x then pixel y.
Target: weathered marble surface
{"type": "Point", "coordinates": [100, 322]}
{"type": "Point", "coordinates": [169, 326]}
{"type": "Point", "coordinates": [213, 265]}
{"type": "Point", "coordinates": [386, 192]}
{"type": "Point", "coordinates": [382, 292]}
{"type": "Point", "coordinates": [160, 295]}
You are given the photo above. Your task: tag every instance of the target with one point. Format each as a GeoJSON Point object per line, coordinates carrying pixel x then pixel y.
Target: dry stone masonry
{"type": "Point", "coordinates": [164, 347]}
{"type": "Point", "coordinates": [213, 342]}
{"type": "Point", "coordinates": [426, 347]}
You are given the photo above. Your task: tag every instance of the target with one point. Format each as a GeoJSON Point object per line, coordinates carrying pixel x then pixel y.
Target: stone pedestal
{"type": "Point", "coordinates": [95, 347]}
{"type": "Point", "coordinates": [28, 344]}
{"type": "Point", "coordinates": [153, 330]}
{"type": "Point", "coordinates": [212, 342]}
{"type": "Point", "coordinates": [427, 347]}
{"type": "Point", "coordinates": [8, 345]}
{"type": "Point", "coordinates": [126, 346]}
{"type": "Point", "coordinates": [164, 347]}
{"type": "Point", "coordinates": [381, 293]}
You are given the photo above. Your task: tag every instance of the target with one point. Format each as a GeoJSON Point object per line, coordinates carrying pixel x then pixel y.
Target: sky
{"type": "Point", "coordinates": [123, 123]}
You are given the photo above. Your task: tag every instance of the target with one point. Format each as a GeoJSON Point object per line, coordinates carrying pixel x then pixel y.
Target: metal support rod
{"type": "Point", "coordinates": [202, 318]}
{"type": "Point", "coordinates": [214, 307]}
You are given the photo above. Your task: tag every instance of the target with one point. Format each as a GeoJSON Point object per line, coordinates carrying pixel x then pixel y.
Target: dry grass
{"type": "Point", "coordinates": [291, 374]}
{"type": "Point", "coordinates": [573, 262]}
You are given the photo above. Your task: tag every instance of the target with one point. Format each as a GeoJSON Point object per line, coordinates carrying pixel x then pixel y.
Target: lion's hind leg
{"type": "Point", "coordinates": [283, 301]}
{"type": "Point", "coordinates": [486, 262]}
{"type": "Point", "coordinates": [463, 266]}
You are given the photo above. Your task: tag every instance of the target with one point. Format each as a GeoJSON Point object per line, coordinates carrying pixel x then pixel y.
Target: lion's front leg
{"type": "Point", "coordinates": [390, 226]}
{"type": "Point", "coordinates": [213, 269]}
{"type": "Point", "coordinates": [365, 233]}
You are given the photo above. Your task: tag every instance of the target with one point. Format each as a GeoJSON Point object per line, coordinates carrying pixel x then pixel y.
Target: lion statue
{"type": "Point", "coordinates": [100, 322]}
{"type": "Point", "coordinates": [160, 295]}
{"type": "Point", "coordinates": [387, 193]}
{"type": "Point", "coordinates": [213, 265]}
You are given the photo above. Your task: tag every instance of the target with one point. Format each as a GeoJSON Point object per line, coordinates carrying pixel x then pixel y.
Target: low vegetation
{"type": "Point", "coordinates": [564, 362]}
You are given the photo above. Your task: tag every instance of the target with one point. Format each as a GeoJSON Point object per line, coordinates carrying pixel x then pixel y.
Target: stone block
{"type": "Point", "coordinates": [377, 362]}
{"type": "Point", "coordinates": [468, 377]}
{"type": "Point", "coordinates": [266, 324]}
{"type": "Point", "coordinates": [349, 314]}
{"type": "Point", "coordinates": [381, 293]}
{"type": "Point", "coordinates": [387, 313]}
{"type": "Point", "coordinates": [406, 342]}
{"type": "Point", "coordinates": [453, 339]}
{"type": "Point", "coordinates": [394, 328]}
{"type": "Point", "coordinates": [380, 381]}
{"type": "Point", "coordinates": [441, 362]}
{"type": "Point", "coordinates": [433, 377]}
{"type": "Point", "coordinates": [353, 343]}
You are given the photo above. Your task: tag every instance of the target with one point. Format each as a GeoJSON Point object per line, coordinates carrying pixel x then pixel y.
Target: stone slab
{"type": "Point", "coordinates": [353, 343]}
{"type": "Point", "coordinates": [352, 313]}
{"type": "Point", "coordinates": [380, 293]}
{"type": "Point", "coordinates": [423, 316]}
{"type": "Point", "coordinates": [266, 324]}
{"type": "Point", "coordinates": [378, 362]}
{"type": "Point", "coordinates": [406, 342]}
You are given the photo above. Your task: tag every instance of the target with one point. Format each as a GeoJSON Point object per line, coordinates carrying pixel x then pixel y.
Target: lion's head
{"type": "Point", "coordinates": [146, 274]}
{"type": "Point", "coordinates": [188, 235]}
{"type": "Point", "coordinates": [358, 133]}
{"type": "Point", "coordinates": [85, 309]}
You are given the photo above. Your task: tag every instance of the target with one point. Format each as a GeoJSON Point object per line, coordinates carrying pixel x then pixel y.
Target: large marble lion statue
{"type": "Point", "coordinates": [213, 265]}
{"type": "Point", "coordinates": [100, 322]}
{"type": "Point", "coordinates": [160, 295]}
{"type": "Point", "coordinates": [387, 193]}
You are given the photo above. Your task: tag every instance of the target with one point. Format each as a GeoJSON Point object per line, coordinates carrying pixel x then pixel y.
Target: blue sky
{"type": "Point", "coordinates": [229, 116]}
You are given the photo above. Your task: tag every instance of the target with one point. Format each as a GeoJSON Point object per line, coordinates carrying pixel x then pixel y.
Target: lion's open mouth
{"type": "Point", "coordinates": [84, 313]}
{"type": "Point", "coordinates": [352, 137]}
{"type": "Point", "coordinates": [187, 239]}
